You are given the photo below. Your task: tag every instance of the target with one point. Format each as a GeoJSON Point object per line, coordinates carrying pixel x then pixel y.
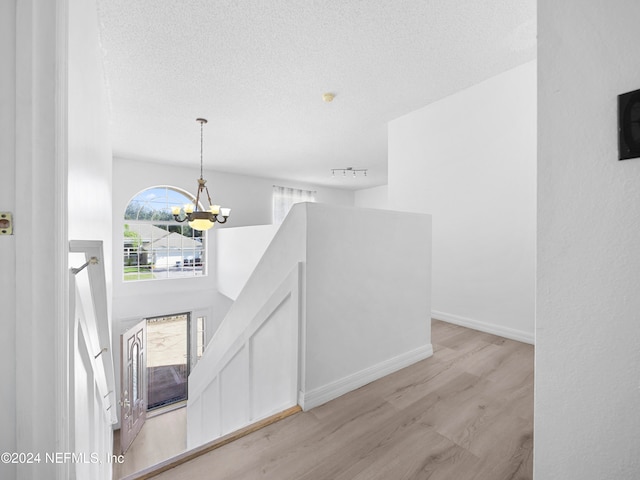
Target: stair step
{"type": "Point", "coordinates": [173, 462]}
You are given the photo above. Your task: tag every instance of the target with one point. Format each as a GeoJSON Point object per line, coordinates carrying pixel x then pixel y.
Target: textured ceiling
{"type": "Point", "coordinates": [257, 69]}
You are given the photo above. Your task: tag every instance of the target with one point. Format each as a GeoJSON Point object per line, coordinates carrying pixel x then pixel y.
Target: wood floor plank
{"type": "Point", "coordinates": [247, 457]}
{"type": "Point", "coordinates": [333, 443]}
{"type": "Point", "coordinates": [419, 452]}
{"type": "Point", "coordinates": [466, 413]}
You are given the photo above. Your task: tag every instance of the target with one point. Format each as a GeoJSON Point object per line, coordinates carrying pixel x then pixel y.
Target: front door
{"type": "Point", "coordinates": [133, 388]}
{"type": "Point", "coordinates": [167, 360]}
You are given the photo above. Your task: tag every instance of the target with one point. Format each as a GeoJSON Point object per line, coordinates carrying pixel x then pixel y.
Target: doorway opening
{"type": "Point", "coordinates": [168, 362]}
{"type": "Point", "coordinates": [154, 426]}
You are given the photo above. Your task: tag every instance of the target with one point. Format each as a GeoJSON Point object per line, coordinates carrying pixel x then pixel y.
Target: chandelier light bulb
{"type": "Point", "coordinates": [201, 224]}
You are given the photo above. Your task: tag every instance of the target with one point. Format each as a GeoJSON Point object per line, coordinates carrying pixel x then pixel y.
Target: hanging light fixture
{"type": "Point", "coordinates": [201, 219]}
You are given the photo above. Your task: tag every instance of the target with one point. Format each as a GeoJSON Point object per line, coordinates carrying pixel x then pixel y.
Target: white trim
{"type": "Point", "coordinates": [96, 326]}
{"type": "Point", "coordinates": [215, 361]}
{"type": "Point", "coordinates": [335, 389]}
{"type": "Point", "coordinates": [302, 332]}
{"type": "Point", "coordinates": [63, 341]}
{"type": "Point", "coordinates": [506, 332]}
{"type": "Point", "coordinates": [265, 313]}
{"type": "Point", "coordinates": [42, 359]}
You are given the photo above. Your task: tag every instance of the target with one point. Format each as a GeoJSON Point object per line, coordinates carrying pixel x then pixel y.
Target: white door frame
{"type": "Point", "coordinates": [42, 326]}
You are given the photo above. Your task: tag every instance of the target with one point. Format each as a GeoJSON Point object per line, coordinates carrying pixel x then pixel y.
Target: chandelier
{"type": "Point", "coordinates": [201, 219]}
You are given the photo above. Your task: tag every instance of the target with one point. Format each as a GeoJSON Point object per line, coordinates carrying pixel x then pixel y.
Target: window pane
{"type": "Point", "coordinates": [155, 245]}
{"type": "Point", "coordinates": [284, 198]}
{"type": "Point", "coordinates": [200, 337]}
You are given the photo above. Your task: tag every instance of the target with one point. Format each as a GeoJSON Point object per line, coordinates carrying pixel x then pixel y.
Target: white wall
{"type": "Point", "coordinates": [132, 299]}
{"type": "Point", "coordinates": [238, 251]}
{"type": "Point", "coordinates": [89, 145]}
{"type": "Point", "coordinates": [588, 307]}
{"type": "Point", "coordinates": [248, 197]}
{"type": "Point", "coordinates": [368, 296]}
{"type": "Point", "coordinates": [251, 197]}
{"type": "Point", "coordinates": [89, 202]}
{"type": "Point", "coordinates": [362, 314]}
{"type": "Point", "coordinates": [469, 160]}
{"type": "Point", "coordinates": [250, 201]}
{"type": "Point", "coordinates": [375, 197]}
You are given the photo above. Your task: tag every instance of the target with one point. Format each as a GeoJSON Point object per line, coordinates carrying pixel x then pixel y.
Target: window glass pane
{"type": "Point", "coordinates": [284, 198]}
{"type": "Point", "coordinates": [200, 337]}
{"type": "Point", "coordinates": [155, 246]}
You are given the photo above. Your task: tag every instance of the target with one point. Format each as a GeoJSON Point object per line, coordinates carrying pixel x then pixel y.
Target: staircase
{"type": "Point", "coordinates": [341, 297]}
{"type": "Point", "coordinates": [89, 394]}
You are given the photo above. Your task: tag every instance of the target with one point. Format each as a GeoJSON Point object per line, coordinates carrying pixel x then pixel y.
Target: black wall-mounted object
{"type": "Point", "coordinates": [629, 125]}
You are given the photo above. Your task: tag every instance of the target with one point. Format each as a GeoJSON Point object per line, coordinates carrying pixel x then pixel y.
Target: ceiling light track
{"type": "Point", "coordinates": [349, 170]}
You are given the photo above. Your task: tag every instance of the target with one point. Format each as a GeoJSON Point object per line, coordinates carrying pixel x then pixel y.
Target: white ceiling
{"type": "Point", "coordinates": [257, 69]}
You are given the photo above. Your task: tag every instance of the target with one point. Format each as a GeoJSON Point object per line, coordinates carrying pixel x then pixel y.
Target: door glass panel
{"type": "Point", "coordinates": [134, 371]}
{"type": "Point", "coordinates": [133, 410]}
{"type": "Point", "coordinates": [167, 354]}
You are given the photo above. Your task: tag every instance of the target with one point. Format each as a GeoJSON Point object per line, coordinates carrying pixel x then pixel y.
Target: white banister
{"type": "Point", "coordinates": [253, 376]}
{"type": "Point", "coordinates": [95, 323]}
{"type": "Point", "coordinates": [91, 385]}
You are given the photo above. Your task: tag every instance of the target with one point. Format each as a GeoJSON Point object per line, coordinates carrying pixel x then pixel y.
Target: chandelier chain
{"type": "Point", "coordinates": [198, 218]}
{"type": "Point", "coordinates": [201, 161]}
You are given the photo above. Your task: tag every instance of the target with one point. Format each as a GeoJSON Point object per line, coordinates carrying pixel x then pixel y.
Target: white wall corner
{"type": "Point", "coordinates": [492, 328]}
{"type": "Point", "coordinates": [321, 395]}
{"type": "Point", "coordinates": [484, 229]}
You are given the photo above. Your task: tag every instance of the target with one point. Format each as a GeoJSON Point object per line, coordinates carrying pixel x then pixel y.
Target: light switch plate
{"type": "Point", "coordinates": [629, 125]}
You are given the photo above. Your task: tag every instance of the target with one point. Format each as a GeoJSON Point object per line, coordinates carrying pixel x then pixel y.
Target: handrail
{"type": "Point", "coordinates": [96, 326]}
{"type": "Point", "coordinates": [230, 388]}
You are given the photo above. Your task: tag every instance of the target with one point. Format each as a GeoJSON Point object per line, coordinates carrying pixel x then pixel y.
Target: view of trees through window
{"type": "Point", "coordinates": [155, 245]}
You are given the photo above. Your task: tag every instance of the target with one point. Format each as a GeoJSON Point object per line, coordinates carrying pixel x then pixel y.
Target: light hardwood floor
{"type": "Point", "coordinates": [161, 437]}
{"type": "Point", "coordinates": [464, 414]}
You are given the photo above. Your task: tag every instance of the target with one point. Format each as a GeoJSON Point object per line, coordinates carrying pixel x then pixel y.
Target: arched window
{"type": "Point", "coordinates": [155, 245]}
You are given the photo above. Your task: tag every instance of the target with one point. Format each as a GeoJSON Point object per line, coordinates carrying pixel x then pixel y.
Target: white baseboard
{"type": "Point", "coordinates": [335, 389]}
{"type": "Point", "coordinates": [486, 327]}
